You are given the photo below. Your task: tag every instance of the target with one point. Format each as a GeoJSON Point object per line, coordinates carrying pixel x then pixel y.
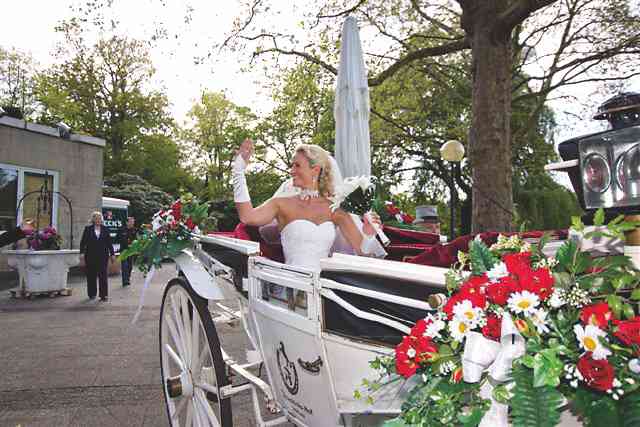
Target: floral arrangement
{"type": "Point", "coordinates": [393, 212]}
{"type": "Point", "coordinates": [44, 240]}
{"type": "Point", "coordinates": [169, 234]}
{"type": "Point", "coordinates": [521, 335]}
{"type": "Point", "coordinates": [355, 194]}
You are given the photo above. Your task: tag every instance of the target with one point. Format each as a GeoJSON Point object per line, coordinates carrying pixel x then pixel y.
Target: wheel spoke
{"type": "Point", "coordinates": [195, 341]}
{"type": "Point", "coordinates": [179, 408]}
{"type": "Point", "coordinates": [213, 420]}
{"type": "Point", "coordinates": [181, 332]}
{"type": "Point", "coordinates": [175, 335]}
{"type": "Point", "coordinates": [184, 308]}
{"type": "Point", "coordinates": [189, 420]}
{"type": "Point", "coordinates": [174, 356]}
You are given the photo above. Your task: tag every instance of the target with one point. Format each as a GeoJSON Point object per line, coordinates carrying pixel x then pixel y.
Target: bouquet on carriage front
{"type": "Point", "coordinates": [170, 232]}
{"type": "Point", "coordinates": [521, 335]}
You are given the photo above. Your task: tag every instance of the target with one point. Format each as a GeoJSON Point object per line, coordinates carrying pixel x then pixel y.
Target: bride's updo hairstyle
{"type": "Point", "coordinates": [319, 156]}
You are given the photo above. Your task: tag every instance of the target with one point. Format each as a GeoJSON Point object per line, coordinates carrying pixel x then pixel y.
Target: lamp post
{"type": "Point", "coordinates": [452, 151]}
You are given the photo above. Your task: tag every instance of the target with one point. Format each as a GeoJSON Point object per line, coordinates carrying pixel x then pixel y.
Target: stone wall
{"type": "Point", "coordinates": [78, 161]}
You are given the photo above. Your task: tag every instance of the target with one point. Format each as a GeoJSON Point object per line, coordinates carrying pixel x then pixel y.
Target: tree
{"type": "Point", "coordinates": [218, 127]}
{"type": "Point", "coordinates": [102, 89]}
{"type": "Point", "coordinates": [17, 70]}
{"type": "Point", "coordinates": [146, 199]}
{"type": "Point", "coordinates": [574, 41]}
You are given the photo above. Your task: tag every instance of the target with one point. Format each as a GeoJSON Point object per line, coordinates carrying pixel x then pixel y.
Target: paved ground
{"type": "Point", "coordinates": [67, 362]}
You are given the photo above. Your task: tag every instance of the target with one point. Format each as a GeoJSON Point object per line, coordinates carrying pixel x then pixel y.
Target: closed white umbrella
{"type": "Point", "coordinates": [351, 108]}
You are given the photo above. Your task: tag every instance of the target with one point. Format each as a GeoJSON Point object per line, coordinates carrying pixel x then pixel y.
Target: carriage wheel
{"type": "Point", "coordinates": [191, 361]}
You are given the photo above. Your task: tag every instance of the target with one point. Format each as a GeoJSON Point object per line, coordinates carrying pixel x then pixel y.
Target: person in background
{"type": "Point", "coordinates": [427, 219]}
{"type": "Point", "coordinates": [126, 236]}
{"type": "Point", "coordinates": [97, 249]}
{"type": "Point", "coordinates": [12, 236]}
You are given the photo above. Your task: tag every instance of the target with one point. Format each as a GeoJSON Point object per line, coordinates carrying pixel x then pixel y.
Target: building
{"type": "Point", "coordinates": [71, 164]}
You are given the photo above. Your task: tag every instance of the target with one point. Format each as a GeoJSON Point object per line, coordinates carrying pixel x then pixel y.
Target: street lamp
{"type": "Point", "coordinates": [452, 151]}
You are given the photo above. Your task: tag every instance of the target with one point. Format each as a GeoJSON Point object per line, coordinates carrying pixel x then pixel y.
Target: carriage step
{"type": "Point", "coordinates": [23, 294]}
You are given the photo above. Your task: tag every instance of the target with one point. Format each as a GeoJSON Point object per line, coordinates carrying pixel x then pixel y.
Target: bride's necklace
{"type": "Point", "coordinates": [306, 194]}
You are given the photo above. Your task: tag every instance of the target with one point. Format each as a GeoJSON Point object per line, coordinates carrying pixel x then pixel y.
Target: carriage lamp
{"type": "Point", "coordinates": [604, 167]}
{"type": "Point", "coordinates": [453, 152]}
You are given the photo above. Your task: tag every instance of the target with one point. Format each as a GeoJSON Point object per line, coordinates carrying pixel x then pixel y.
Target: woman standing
{"type": "Point", "coordinates": [97, 249]}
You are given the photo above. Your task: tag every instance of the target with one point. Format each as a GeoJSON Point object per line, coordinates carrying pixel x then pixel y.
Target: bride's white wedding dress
{"type": "Point", "coordinates": [305, 243]}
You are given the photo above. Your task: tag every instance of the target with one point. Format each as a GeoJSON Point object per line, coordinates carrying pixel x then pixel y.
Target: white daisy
{"type": "Point", "coordinates": [497, 272]}
{"type": "Point", "coordinates": [539, 319]}
{"type": "Point", "coordinates": [434, 326]}
{"type": "Point", "coordinates": [523, 302]}
{"type": "Point", "coordinates": [467, 313]}
{"type": "Point", "coordinates": [458, 329]}
{"type": "Point", "coordinates": [589, 338]}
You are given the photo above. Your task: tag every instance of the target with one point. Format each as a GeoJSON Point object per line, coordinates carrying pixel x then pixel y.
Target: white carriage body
{"type": "Point", "coordinates": [314, 365]}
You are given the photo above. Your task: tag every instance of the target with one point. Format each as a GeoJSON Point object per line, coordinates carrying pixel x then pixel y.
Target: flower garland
{"type": "Point", "coordinates": [520, 334]}
{"type": "Point", "coordinates": [169, 234]}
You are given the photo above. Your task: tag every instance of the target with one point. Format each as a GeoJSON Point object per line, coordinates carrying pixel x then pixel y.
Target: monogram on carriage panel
{"type": "Point", "coordinates": [287, 370]}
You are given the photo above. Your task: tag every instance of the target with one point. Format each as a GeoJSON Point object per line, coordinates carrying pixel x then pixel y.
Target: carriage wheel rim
{"type": "Point", "coordinates": [187, 363]}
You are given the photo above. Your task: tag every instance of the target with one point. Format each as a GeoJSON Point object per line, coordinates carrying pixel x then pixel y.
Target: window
{"type": "Point", "coordinates": [15, 183]}
{"type": "Point", "coordinates": [8, 198]}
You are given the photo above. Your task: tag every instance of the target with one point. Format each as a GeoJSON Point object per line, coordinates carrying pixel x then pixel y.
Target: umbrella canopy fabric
{"type": "Point", "coordinates": [351, 108]}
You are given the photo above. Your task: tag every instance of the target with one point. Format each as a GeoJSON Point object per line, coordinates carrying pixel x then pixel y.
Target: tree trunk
{"type": "Point", "coordinates": [490, 133]}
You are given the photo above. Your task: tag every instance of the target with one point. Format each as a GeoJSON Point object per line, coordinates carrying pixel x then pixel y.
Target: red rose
{"type": "Point", "coordinates": [392, 210]}
{"type": "Point", "coordinates": [628, 331]}
{"type": "Point", "coordinates": [176, 210]}
{"type": "Point", "coordinates": [420, 327]}
{"type": "Point", "coordinates": [596, 315]}
{"type": "Point", "coordinates": [411, 351]}
{"type": "Point", "coordinates": [407, 219]}
{"type": "Point", "coordinates": [499, 293]}
{"type": "Point", "coordinates": [539, 282]}
{"type": "Point", "coordinates": [598, 374]}
{"type": "Point", "coordinates": [190, 224]}
{"type": "Point", "coordinates": [493, 327]}
{"type": "Point", "coordinates": [451, 302]}
{"type": "Point", "coordinates": [519, 263]}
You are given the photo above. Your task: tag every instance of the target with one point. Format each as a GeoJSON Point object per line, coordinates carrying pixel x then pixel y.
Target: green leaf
{"type": "Point", "coordinates": [627, 311]}
{"type": "Point", "coordinates": [547, 368]}
{"type": "Point", "coordinates": [481, 258]}
{"type": "Point", "coordinates": [576, 223]}
{"type": "Point", "coordinates": [635, 295]}
{"type": "Point", "coordinates": [396, 422]}
{"type": "Point", "coordinates": [597, 409]}
{"type": "Point", "coordinates": [565, 254]}
{"type": "Point", "coordinates": [533, 406]}
{"type": "Point", "coordinates": [631, 410]}
{"type": "Point", "coordinates": [615, 304]}
{"type": "Point", "coordinates": [598, 218]}
{"type": "Point", "coordinates": [472, 419]}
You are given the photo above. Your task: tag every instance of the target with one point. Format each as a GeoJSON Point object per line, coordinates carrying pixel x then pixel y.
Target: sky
{"type": "Point", "coordinates": [33, 31]}
{"type": "Point", "coordinates": [173, 58]}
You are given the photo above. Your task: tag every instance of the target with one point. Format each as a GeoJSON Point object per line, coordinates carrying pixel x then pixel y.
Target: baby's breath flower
{"type": "Point", "coordinates": [577, 297]}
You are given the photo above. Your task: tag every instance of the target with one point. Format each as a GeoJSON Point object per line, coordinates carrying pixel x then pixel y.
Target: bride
{"type": "Point", "coordinates": [306, 221]}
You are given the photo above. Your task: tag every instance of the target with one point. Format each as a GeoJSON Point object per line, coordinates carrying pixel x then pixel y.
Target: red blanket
{"type": "Point", "coordinates": [416, 247]}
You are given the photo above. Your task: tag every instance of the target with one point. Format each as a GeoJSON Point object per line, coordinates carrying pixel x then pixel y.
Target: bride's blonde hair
{"type": "Point", "coordinates": [319, 156]}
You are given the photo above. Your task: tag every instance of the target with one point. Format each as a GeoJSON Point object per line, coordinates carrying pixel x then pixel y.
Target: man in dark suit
{"type": "Point", "coordinates": [126, 236]}
{"type": "Point", "coordinates": [97, 249]}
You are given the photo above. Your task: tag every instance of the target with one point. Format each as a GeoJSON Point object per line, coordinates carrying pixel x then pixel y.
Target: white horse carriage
{"type": "Point", "coordinates": [312, 333]}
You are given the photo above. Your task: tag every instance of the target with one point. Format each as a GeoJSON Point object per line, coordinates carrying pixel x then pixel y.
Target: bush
{"type": "Point", "coordinates": [146, 199]}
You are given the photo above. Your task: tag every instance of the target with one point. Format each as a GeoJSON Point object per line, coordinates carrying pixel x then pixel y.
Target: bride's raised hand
{"type": "Point", "coordinates": [246, 150]}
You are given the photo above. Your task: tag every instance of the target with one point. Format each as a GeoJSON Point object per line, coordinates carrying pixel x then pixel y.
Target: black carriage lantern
{"type": "Point", "coordinates": [604, 167]}
{"type": "Point", "coordinates": [44, 205]}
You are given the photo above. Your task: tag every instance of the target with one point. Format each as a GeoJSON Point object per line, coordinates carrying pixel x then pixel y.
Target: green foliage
{"type": "Point", "coordinates": [17, 72]}
{"type": "Point", "coordinates": [597, 409]}
{"type": "Point", "coordinates": [146, 199]}
{"type": "Point", "coordinates": [631, 410]}
{"type": "Point", "coordinates": [533, 406]}
{"type": "Point", "coordinates": [542, 204]}
{"type": "Point", "coordinates": [217, 128]}
{"type": "Point", "coordinates": [480, 257]}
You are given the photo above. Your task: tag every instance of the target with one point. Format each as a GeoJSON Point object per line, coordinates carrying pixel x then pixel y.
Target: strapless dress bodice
{"type": "Point", "coordinates": [304, 242]}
